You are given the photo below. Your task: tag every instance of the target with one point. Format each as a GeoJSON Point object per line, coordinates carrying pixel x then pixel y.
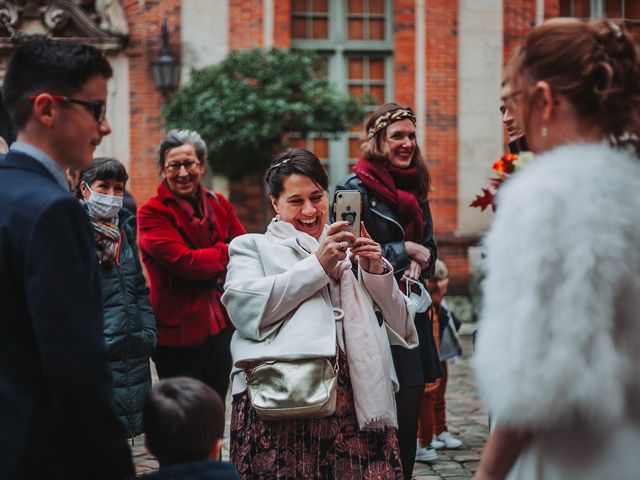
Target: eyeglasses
{"type": "Point", "coordinates": [509, 100]}
{"type": "Point", "coordinates": [99, 109]}
{"type": "Point", "coordinates": [189, 165]}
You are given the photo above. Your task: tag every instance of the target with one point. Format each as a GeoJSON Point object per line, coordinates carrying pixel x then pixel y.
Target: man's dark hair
{"type": "Point", "coordinates": [44, 66]}
{"type": "Point", "coordinates": [183, 418]}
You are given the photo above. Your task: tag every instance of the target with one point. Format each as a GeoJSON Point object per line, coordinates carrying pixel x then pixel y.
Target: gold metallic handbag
{"type": "Point", "coordinates": [292, 389]}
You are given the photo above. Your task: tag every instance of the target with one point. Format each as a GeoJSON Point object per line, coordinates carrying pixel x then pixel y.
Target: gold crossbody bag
{"type": "Point", "coordinates": [292, 389]}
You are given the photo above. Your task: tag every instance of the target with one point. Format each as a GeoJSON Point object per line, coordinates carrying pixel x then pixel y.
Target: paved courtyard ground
{"type": "Point", "coordinates": [466, 417]}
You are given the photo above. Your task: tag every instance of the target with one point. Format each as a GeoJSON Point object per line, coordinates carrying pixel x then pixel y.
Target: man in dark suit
{"type": "Point", "coordinates": [56, 417]}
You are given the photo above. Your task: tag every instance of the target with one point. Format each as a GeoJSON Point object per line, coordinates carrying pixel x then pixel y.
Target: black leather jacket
{"type": "Point", "coordinates": [385, 227]}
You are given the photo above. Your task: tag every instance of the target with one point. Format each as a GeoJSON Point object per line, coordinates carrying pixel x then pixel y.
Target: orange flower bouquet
{"type": "Point", "coordinates": [504, 166]}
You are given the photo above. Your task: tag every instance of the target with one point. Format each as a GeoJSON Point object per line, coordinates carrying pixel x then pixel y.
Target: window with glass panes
{"type": "Point", "coordinates": [366, 79]}
{"type": "Point", "coordinates": [310, 19]}
{"type": "Point", "coordinates": [355, 36]}
{"type": "Point", "coordinates": [316, 144]}
{"type": "Point", "coordinates": [626, 10]}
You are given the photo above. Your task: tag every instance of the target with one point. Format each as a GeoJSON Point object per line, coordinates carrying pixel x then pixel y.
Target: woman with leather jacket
{"type": "Point", "coordinates": [394, 183]}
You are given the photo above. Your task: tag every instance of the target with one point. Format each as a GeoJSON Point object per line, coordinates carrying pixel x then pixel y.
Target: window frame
{"type": "Point", "coordinates": [338, 48]}
{"type": "Point", "coordinates": [597, 10]}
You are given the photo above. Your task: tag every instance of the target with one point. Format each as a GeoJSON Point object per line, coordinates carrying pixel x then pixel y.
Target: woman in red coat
{"type": "Point", "coordinates": [184, 232]}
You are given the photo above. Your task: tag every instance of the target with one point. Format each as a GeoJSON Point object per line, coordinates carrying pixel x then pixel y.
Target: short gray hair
{"type": "Point", "coordinates": [178, 137]}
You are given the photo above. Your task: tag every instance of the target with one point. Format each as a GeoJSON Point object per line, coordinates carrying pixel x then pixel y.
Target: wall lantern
{"type": "Point", "coordinates": [166, 70]}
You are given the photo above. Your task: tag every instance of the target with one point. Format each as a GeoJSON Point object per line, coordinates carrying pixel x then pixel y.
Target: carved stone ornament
{"type": "Point", "coordinates": [102, 23]}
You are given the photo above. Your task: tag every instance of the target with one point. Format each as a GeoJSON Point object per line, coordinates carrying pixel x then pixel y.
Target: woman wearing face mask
{"type": "Point", "coordinates": [394, 182]}
{"type": "Point", "coordinates": [129, 322]}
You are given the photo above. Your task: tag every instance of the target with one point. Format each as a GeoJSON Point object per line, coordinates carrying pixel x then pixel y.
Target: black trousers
{"type": "Point", "coordinates": [408, 401]}
{"type": "Point", "coordinates": [414, 368]}
{"type": "Point", "coordinates": [209, 363]}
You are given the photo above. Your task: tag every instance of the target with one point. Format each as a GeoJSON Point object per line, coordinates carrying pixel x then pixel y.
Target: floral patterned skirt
{"type": "Point", "coordinates": [325, 448]}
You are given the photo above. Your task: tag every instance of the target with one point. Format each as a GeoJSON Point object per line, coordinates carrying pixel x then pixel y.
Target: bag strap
{"type": "Point", "coordinates": [336, 366]}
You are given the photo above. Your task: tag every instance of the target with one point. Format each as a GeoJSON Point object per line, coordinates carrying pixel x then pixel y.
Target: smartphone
{"type": "Point", "coordinates": [347, 205]}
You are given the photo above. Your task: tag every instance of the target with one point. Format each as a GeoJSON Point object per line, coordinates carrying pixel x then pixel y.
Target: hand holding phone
{"type": "Point", "coordinates": [369, 253]}
{"type": "Point", "coordinates": [347, 206]}
{"type": "Point", "coordinates": [333, 248]}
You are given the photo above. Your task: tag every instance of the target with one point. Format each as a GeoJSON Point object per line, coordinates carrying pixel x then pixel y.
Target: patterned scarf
{"type": "Point", "coordinates": [398, 188]}
{"type": "Point", "coordinates": [107, 238]}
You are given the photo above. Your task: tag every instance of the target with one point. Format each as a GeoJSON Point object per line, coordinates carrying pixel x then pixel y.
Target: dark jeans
{"type": "Point", "coordinates": [210, 362]}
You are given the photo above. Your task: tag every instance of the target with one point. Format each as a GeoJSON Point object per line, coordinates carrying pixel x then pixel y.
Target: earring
{"type": "Point", "coordinates": [543, 132]}
{"type": "Point", "coordinates": [276, 218]}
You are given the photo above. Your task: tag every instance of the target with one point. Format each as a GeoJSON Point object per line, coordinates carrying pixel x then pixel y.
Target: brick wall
{"type": "Point", "coordinates": [146, 122]}
{"type": "Point", "coordinates": [551, 8]}
{"type": "Point", "coordinates": [245, 23]}
{"type": "Point", "coordinates": [282, 24]}
{"type": "Point", "coordinates": [246, 31]}
{"type": "Point", "coordinates": [441, 136]}
{"type": "Point", "coordinates": [404, 54]}
{"type": "Point", "coordinates": [250, 203]}
{"type": "Point", "coordinates": [519, 17]}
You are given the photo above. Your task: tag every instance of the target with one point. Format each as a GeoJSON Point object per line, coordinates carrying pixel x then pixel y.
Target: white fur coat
{"type": "Point", "coordinates": [559, 338]}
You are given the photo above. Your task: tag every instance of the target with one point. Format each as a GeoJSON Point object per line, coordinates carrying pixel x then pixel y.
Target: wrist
{"type": "Point", "coordinates": [377, 269]}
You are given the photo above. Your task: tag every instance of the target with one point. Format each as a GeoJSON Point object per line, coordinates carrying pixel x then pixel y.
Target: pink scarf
{"type": "Point", "coordinates": [365, 346]}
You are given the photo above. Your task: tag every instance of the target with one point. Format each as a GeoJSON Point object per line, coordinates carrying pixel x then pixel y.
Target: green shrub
{"type": "Point", "coordinates": [245, 106]}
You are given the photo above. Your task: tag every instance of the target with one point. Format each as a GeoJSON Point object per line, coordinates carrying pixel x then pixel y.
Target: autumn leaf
{"type": "Point", "coordinates": [484, 200]}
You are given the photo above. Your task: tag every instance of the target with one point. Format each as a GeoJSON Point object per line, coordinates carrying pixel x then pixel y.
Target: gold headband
{"type": "Point", "coordinates": [279, 164]}
{"type": "Point", "coordinates": [386, 119]}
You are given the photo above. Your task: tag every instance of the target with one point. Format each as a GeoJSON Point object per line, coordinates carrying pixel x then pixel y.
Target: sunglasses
{"type": "Point", "coordinates": [99, 109]}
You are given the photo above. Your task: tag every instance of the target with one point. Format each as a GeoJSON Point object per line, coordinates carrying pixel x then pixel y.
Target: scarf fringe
{"type": "Point", "coordinates": [379, 424]}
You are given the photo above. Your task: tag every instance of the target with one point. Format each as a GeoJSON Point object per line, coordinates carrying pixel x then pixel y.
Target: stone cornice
{"type": "Point", "coordinates": [62, 20]}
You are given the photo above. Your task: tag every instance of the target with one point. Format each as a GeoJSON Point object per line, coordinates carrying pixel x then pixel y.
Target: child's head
{"type": "Point", "coordinates": [441, 272]}
{"type": "Point", "coordinates": [183, 421]}
{"type": "Point", "coordinates": [437, 285]}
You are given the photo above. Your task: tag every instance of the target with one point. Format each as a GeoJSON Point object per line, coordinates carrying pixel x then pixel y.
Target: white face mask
{"type": "Point", "coordinates": [103, 206]}
{"type": "Point", "coordinates": [420, 301]}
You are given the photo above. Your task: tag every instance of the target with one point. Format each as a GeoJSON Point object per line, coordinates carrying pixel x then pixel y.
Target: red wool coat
{"type": "Point", "coordinates": [186, 259]}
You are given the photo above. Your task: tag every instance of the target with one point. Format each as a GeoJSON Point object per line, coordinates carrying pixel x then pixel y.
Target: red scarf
{"type": "Point", "coordinates": [398, 188]}
{"type": "Point", "coordinates": [199, 232]}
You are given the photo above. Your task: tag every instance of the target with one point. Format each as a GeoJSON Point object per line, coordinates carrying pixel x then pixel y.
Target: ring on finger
{"type": "Point", "coordinates": [341, 246]}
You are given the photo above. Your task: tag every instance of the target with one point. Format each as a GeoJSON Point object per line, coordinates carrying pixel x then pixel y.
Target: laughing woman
{"type": "Point", "coordinates": [394, 182]}
{"type": "Point", "coordinates": [292, 296]}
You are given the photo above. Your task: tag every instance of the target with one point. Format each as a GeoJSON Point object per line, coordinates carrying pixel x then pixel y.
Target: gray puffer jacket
{"type": "Point", "coordinates": [129, 327]}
